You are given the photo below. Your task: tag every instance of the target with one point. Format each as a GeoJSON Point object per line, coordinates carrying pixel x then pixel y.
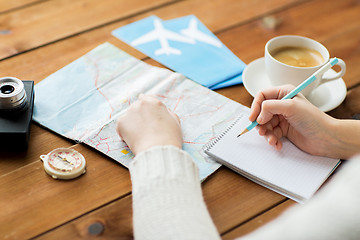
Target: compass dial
{"type": "Point", "coordinates": [64, 163]}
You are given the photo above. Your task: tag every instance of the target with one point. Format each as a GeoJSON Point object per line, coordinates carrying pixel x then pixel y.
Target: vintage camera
{"type": "Point", "coordinates": [16, 108]}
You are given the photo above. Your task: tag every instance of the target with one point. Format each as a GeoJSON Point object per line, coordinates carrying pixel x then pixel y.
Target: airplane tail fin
{"type": "Point", "coordinates": [167, 51]}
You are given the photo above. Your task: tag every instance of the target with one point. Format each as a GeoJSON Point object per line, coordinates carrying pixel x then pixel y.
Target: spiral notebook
{"type": "Point", "coordinates": [290, 171]}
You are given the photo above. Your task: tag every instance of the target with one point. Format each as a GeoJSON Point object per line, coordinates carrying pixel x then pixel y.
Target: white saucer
{"type": "Point", "coordinates": [326, 97]}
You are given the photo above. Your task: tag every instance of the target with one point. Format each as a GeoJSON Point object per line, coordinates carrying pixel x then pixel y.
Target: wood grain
{"type": "Point", "coordinates": [231, 199]}
{"type": "Point", "coordinates": [53, 20]}
{"type": "Point", "coordinates": [115, 218]}
{"type": "Point", "coordinates": [259, 221]}
{"type": "Point", "coordinates": [35, 202]}
{"type": "Point", "coordinates": [50, 58]}
{"type": "Point", "coordinates": [6, 5]}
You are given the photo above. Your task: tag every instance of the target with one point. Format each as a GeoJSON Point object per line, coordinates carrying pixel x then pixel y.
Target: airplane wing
{"type": "Point", "coordinates": [160, 33]}
{"type": "Point", "coordinates": [147, 37]}
{"type": "Point", "coordinates": [193, 32]}
{"type": "Point", "coordinates": [176, 37]}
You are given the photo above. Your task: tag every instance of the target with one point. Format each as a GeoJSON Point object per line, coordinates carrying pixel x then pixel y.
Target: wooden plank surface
{"type": "Point", "coordinates": [225, 192]}
{"type": "Point", "coordinates": [35, 202]}
{"type": "Point", "coordinates": [115, 219]}
{"type": "Point", "coordinates": [258, 221]}
{"type": "Point", "coordinates": [13, 5]}
{"type": "Point", "coordinates": [50, 58]}
{"type": "Point", "coordinates": [103, 194]}
{"type": "Point", "coordinates": [50, 21]}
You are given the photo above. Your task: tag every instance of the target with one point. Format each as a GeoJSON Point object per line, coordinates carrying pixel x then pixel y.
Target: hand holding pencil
{"type": "Point", "coordinates": [302, 123]}
{"type": "Point", "coordinates": [316, 75]}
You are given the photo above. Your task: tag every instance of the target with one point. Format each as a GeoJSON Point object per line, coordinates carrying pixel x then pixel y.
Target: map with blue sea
{"type": "Point", "coordinates": [83, 100]}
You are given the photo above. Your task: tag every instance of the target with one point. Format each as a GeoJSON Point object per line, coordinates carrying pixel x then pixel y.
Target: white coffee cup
{"type": "Point", "coordinates": [280, 73]}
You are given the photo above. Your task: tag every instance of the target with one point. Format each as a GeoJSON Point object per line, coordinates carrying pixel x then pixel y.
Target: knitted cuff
{"type": "Point", "coordinates": [161, 165]}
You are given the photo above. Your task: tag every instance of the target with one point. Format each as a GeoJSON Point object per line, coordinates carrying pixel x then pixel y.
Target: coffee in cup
{"type": "Point", "coordinates": [292, 59]}
{"type": "Point", "coordinates": [298, 56]}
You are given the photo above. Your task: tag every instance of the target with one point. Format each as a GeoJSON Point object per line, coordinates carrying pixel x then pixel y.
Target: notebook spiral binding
{"type": "Point", "coordinates": [212, 143]}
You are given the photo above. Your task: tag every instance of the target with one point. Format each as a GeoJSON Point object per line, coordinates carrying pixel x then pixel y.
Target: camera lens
{"type": "Point", "coordinates": [12, 94]}
{"type": "Point", "coordinates": [7, 89]}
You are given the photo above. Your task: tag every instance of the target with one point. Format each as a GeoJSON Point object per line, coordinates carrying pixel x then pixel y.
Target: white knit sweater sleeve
{"type": "Point", "coordinates": [167, 198]}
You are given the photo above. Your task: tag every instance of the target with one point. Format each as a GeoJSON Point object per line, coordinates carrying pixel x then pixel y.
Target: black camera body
{"type": "Point", "coordinates": [16, 108]}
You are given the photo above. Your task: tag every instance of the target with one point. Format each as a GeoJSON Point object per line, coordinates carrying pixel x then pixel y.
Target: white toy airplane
{"type": "Point", "coordinates": [163, 35]}
{"type": "Point", "coordinates": [193, 32]}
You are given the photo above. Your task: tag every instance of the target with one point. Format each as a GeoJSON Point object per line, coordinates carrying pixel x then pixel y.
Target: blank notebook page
{"type": "Point", "coordinates": [290, 171]}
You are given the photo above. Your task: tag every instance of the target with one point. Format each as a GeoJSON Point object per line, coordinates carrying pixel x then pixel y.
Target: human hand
{"type": "Point", "coordinates": [297, 119]}
{"type": "Point", "coordinates": [148, 123]}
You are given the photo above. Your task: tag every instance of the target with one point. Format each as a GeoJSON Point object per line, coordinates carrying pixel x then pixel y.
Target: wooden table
{"type": "Point", "coordinates": [38, 37]}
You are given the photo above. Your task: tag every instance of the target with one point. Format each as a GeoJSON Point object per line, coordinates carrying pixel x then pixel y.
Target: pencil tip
{"type": "Point", "coordinates": [243, 132]}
